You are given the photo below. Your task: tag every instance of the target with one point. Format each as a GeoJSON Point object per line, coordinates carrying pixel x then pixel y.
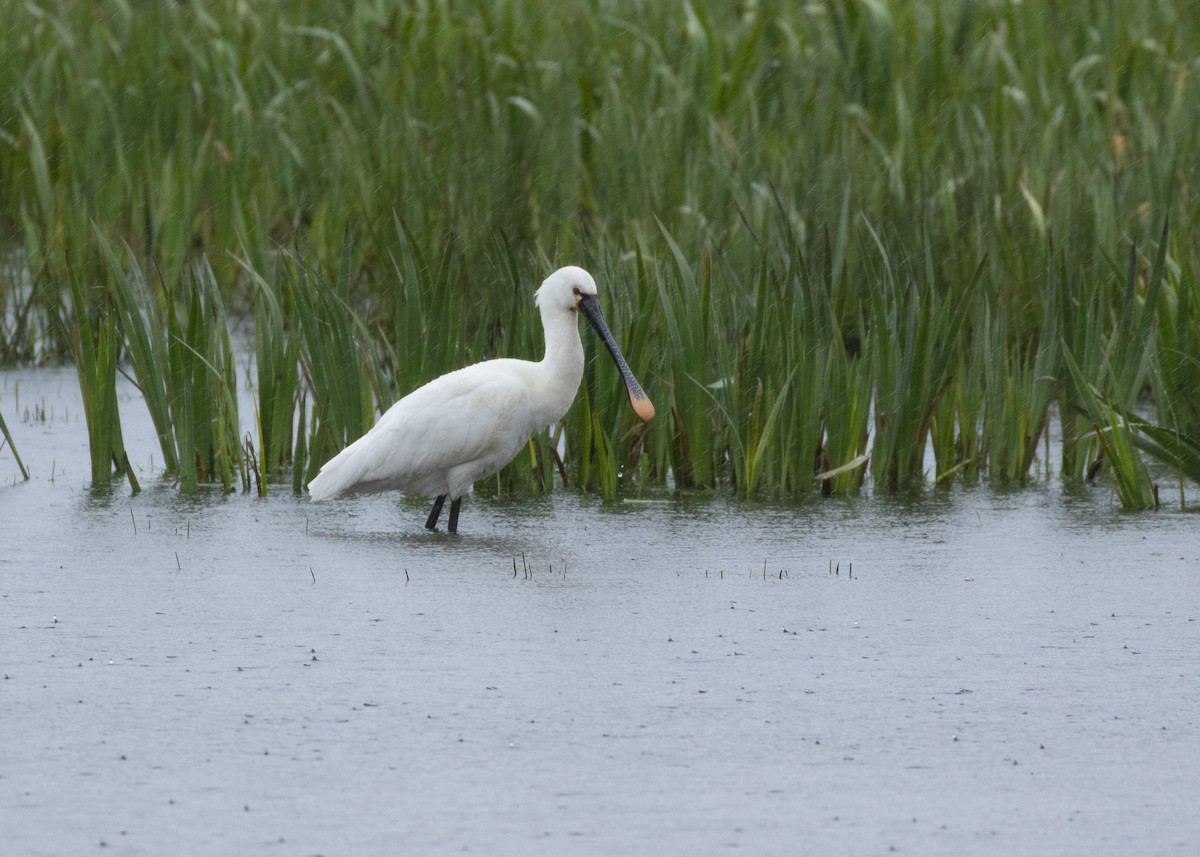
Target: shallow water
{"type": "Point", "coordinates": [1002, 673]}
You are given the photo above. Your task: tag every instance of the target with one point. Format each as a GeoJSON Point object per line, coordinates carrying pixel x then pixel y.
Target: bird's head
{"type": "Point", "coordinates": [565, 288]}
{"type": "Point", "coordinates": [574, 290]}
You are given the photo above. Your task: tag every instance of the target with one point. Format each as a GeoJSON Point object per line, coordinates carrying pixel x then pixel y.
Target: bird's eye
{"type": "Point", "coordinates": [576, 291]}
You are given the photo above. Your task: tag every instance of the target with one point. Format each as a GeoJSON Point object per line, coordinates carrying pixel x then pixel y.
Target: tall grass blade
{"type": "Point", "coordinates": [13, 446]}
{"type": "Point", "coordinates": [1134, 487]}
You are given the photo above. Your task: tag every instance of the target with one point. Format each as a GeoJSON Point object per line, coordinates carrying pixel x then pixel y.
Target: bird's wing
{"type": "Point", "coordinates": [455, 418]}
{"type": "Point", "coordinates": [458, 418]}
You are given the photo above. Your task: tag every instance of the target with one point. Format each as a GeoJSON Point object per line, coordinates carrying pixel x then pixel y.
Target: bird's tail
{"type": "Point", "coordinates": [337, 474]}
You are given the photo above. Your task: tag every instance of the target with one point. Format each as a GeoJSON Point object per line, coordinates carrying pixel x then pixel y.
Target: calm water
{"type": "Point", "coordinates": [1004, 673]}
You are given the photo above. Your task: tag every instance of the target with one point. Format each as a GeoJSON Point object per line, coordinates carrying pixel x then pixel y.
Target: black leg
{"type": "Point", "coordinates": [435, 513]}
{"type": "Point", "coordinates": [453, 525]}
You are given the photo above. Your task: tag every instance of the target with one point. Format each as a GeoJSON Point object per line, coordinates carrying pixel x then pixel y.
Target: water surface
{"type": "Point", "coordinates": [998, 673]}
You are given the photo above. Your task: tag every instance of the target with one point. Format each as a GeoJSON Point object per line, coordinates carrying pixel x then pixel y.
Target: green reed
{"type": "Point", "coordinates": [95, 337]}
{"type": "Point", "coordinates": [820, 230]}
{"type": "Point", "coordinates": [335, 362]}
{"type": "Point", "coordinates": [277, 345]}
{"type": "Point", "coordinates": [8, 439]}
{"type": "Point", "coordinates": [178, 348]}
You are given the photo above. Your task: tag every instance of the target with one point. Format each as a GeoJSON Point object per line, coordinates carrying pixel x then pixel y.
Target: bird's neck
{"type": "Point", "coordinates": [564, 352]}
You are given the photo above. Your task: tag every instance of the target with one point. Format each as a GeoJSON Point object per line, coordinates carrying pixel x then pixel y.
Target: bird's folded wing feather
{"type": "Point", "coordinates": [454, 419]}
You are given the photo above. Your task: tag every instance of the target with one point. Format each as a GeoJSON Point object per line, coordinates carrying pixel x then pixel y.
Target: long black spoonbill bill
{"type": "Point", "coordinates": [464, 426]}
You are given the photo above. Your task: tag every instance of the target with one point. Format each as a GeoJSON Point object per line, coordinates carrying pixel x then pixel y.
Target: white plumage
{"type": "Point", "coordinates": [466, 425]}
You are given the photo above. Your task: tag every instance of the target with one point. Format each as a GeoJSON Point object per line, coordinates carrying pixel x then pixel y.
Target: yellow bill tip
{"type": "Point", "coordinates": [643, 407]}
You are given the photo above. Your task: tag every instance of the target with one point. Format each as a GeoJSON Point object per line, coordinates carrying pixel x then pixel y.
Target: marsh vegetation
{"type": "Point", "coordinates": [837, 240]}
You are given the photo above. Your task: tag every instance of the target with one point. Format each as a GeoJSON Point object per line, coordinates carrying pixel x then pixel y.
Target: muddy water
{"type": "Point", "coordinates": [1002, 673]}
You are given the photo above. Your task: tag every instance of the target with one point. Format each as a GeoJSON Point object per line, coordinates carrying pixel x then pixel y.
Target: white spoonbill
{"type": "Point", "coordinates": [464, 426]}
